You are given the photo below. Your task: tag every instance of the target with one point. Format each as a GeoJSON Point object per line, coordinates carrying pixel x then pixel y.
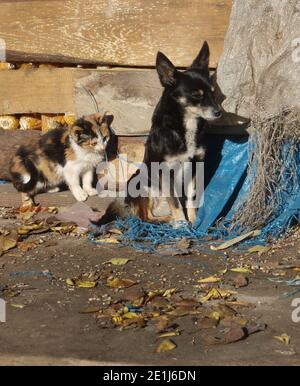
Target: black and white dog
{"type": "Point", "coordinates": [177, 133]}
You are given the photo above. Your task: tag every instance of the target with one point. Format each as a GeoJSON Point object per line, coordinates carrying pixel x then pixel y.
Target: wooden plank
{"type": "Point", "coordinates": [118, 32]}
{"type": "Point", "coordinates": [130, 95]}
{"type": "Point", "coordinates": [42, 90]}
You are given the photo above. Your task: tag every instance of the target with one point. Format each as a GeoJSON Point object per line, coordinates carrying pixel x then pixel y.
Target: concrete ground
{"type": "Point", "coordinates": [51, 319]}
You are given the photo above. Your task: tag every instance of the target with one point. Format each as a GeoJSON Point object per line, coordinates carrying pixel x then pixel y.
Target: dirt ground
{"type": "Point", "coordinates": [53, 319]}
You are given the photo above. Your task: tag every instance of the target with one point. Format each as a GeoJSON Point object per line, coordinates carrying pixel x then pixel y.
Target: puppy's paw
{"type": "Point", "coordinates": [91, 191]}
{"type": "Point", "coordinates": [80, 194]}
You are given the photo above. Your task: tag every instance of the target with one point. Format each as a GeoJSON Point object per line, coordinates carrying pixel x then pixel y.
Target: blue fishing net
{"type": "Point", "coordinates": [227, 184]}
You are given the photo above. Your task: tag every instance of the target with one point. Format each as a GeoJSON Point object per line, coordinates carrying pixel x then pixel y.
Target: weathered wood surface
{"type": "Point", "coordinates": [37, 90]}
{"type": "Point", "coordinates": [130, 96]}
{"type": "Point", "coordinates": [118, 32]}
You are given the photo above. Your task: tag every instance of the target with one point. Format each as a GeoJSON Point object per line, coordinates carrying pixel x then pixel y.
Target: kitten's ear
{"type": "Point", "coordinates": [107, 119]}
{"type": "Point", "coordinates": [166, 70]}
{"type": "Point", "coordinates": [202, 60]}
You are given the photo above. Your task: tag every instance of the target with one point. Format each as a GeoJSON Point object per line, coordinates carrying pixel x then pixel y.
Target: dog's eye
{"type": "Point", "coordinates": [198, 94]}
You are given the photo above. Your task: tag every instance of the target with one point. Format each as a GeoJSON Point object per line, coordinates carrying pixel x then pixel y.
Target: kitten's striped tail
{"type": "Point", "coordinates": [23, 172]}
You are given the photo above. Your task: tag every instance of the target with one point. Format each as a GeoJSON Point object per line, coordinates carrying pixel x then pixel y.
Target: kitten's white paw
{"type": "Point", "coordinates": [53, 190]}
{"type": "Point", "coordinates": [91, 191]}
{"type": "Point", "coordinates": [80, 195]}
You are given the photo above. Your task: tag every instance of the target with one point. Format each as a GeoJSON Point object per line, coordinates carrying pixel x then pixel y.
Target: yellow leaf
{"type": "Point", "coordinates": [260, 249]}
{"type": "Point", "coordinates": [168, 334]}
{"type": "Point", "coordinates": [70, 282]}
{"type": "Point", "coordinates": [223, 271]}
{"type": "Point", "coordinates": [241, 270]}
{"type": "Point", "coordinates": [217, 293]}
{"type": "Point", "coordinates": [17, 305]}
{"type": "Point", "coordinates": [169, 292]}
{"type": "Point", "coordinates": [85, 284]}
{"type": "Point", "coordinates": [109, 241]}
{"type": "Point", "coordinates": [165, 345]}
{"type": "Point", "coordinates": [120, 283]}
{"type": "Point", "coordinates": [28, 228]}
{"type": "Point", "coordinates": [131, 315]}
{"type": "Point", "coordinates": [210, 279]}
{"type": "Point", "coordinates": [118, 320]}
{"type": "Point", "coordinates": [236, 240]}
{"type": "Point", "coordinates": [7, 243]}
{"type": "Point", "coordinates": [63, 229]}
{"type": "Point", "coordinates": [283, 338]}
{"type": "Point", "coordinates": [118, 261]}
{"type": "Point", "coordinates": [214, 315]}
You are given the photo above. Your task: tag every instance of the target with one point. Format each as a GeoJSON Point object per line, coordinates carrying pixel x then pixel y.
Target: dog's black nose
{"type": "Point", "coordinates": [217, 113]}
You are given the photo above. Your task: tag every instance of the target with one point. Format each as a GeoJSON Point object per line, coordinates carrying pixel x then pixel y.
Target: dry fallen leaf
{"type": "Point", "coordinates": [6, 243]}
{"type": "Point", "coordinates": [85, 284]}
{"type": "Point", "coordinates": [27, 246]}
{"type": "Point", "coordinates": [260, 249]}
{"type": "Point", "coordinates": [235, 334]}
{"type": "Point", "coordinates": [30, 228]}
{"type": "Point", "coordinates": [117, 261]}
{"type": "Point", "coordinates": [63, 229]}
{"type": "Point", "coordinates": [241, 270]}
{"type": "Point", "coordinates": [283, 338]}
{"type": "Point", "coordinates": [168, 334]}
{"type": "Point", "coordinates": [81, 283]}
{"type": "Point", "coordinates": [169, 292]}
{"type": "Point", "coordinates": [217, 293]}
{"type": "Point", "coordinates": [210, 279]}
{"type": "Point", "coordinates": [235, 240]}
{"type": "Point", "coordinates": [165, 345]}
{"type": "Point", "coordinates": [119, 283]}
{"type": "Point", "coordinates": [17, 305]}
{"type": "Point", "coordinates": [108, 241]}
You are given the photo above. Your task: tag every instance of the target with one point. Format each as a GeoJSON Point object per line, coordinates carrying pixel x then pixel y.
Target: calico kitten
{"type": "Point", "coordinates": [64, 155]}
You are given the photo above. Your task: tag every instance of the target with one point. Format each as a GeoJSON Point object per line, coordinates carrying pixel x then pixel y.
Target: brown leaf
{"type": "Point", "coordinates": [207, 323]}
{"type": "Point", "coordinates": [235, 334]}
{"type": "Point", "coordinates": [211, 340]}
{"type": "Point", "coordinates": [240, 281]}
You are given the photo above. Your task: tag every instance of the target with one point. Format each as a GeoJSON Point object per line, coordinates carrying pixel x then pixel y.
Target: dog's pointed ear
{"type": "Point", "coordinates": [166, 70]}
{"type": "Point", "coordinates": [202, 60]}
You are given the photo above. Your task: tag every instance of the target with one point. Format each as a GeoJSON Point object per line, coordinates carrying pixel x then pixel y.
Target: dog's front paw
{"type": "Point", "coordinates": [80, 194]}
{"type": "Point", "coordinates": [91, 191]}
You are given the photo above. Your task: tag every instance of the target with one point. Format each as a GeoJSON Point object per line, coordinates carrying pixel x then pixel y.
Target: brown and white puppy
{"type": "Point", "coordinates": [64, 156]}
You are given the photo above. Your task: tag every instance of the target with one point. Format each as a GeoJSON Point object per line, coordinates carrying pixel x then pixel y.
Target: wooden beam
{"type": "Point", "coordinates": [117, 32]}
{"type": "Point", "coordinates": [130, 95]}
{"type": "Point", "coordinates": [42, 90]}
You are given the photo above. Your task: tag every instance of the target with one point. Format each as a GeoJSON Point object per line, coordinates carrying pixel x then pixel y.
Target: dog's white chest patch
{"type": "Point", "coordinates": [191, 126]}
